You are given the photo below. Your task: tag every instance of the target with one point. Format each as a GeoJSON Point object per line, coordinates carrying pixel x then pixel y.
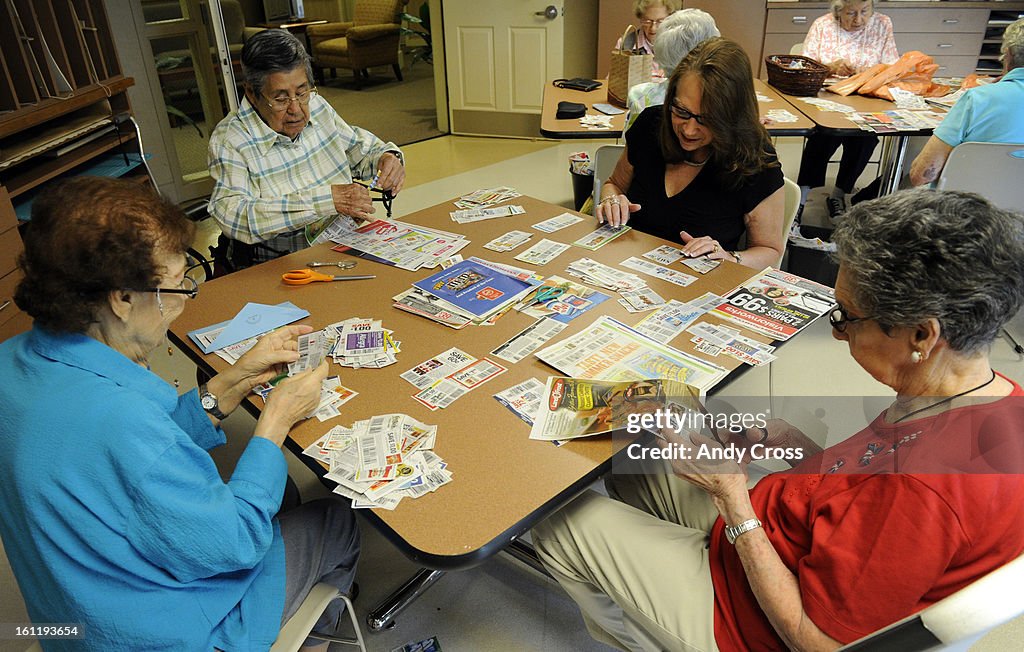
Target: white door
{"type": "Point", "coordinates": [500, 54]}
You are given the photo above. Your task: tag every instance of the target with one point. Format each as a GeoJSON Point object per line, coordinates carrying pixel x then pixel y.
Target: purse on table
{"type": "Point", "coordinates": [570, 110]}
{"type": "Point", "coordinates": [577, 84]}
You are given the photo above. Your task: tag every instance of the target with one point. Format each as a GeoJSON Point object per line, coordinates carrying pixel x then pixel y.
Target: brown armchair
{"type": "Point", "coordinates": [371, 39]}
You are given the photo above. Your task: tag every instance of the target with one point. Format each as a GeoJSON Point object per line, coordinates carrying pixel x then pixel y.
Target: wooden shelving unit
{"type": "Point", "coordinates": [62, 97]}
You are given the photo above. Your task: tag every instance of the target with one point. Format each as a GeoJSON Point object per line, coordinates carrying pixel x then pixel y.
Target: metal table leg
{"type": "Point", "coordinates": [394, 604]}
{"type": "Point", "coordinates": [525, 553]}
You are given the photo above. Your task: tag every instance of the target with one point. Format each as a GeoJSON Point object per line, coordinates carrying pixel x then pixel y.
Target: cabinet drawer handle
{"type": "Point", "coordinates": [951, 21]}
{"type": "Point", "coordinates": [945, 45]}
{"type": "Point", "coordinates": [799, 20]}
{"type": "Point", "coordinates": [5, 304]}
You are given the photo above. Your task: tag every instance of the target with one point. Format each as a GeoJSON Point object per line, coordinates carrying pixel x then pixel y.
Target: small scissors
{"type": "Point", "coordinates": [548, 293]}
{"type": "Point", "coordinates": [305, 276]}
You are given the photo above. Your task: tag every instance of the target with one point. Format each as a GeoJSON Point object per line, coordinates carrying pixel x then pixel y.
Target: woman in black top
{"type": "Point", "coordinates": [701, 170]}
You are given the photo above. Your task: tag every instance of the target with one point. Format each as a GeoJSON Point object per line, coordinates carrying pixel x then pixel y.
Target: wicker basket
{"type": "Point", "coordinates": [803, 82]}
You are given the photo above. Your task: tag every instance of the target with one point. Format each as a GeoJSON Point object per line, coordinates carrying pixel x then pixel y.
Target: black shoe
{"type": "Point", "coordinates": [353, 591]}
{"type": "Point", "coordinates": [836, 207]}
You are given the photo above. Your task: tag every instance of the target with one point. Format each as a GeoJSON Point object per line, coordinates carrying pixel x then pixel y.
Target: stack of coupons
{"type": "Point", "coordinates": [715, 339]}
{"type": "Point", "coordinates": [471, 291]}
{"type": "Point", "coordinates": [486, 197]}
{"type": "Point", "coordinates": [406, 246]}
{"type": "Point", "coordinates": [657, 271]}
{"type": "Point", "coordinates": [359, 342]}
{"type": "Point", "coordinates": [382, 460]}
{"type": "Point", "coordinates": [449, 375]}
{"type": "Point", "coordinates": [667, 254]}
{"type": "Point", "coordinates": [467, 215]}
{"type": "Point", "coordinates": [332, 396]}
{"type": "Point", "coordinates": [674, 317]}
{"type": "Point", "coordinates": [604, 276]}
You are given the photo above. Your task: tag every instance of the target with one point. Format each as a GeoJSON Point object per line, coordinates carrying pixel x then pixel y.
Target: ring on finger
{"type": "Point", "coordinates": [715, 249]}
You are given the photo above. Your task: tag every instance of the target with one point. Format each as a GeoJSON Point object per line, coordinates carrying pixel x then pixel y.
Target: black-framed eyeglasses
{"type": "Point", "coordinates": [839, 318]}
{"type": "Point", "coordinates": [684, 114]}
{"type": "Point", "coordinates": [281, 104]}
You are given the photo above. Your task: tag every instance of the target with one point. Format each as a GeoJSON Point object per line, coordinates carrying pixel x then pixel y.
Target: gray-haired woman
{"type": "Point", "coordinates": [916, 506]}
{"type": "Point", "coordinates": [679, 33]}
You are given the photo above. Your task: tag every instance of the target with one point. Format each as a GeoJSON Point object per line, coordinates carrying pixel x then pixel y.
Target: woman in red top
{"type": "Point", "coordinates": [913, 508]}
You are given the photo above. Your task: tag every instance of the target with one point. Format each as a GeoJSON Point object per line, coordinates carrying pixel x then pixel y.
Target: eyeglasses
{"type": "Point", "coordinates": [684, 114]}
{"type": "Point", "coordinates": [281, 104]}
{"type": "Point", "coordinates": [189, 286]}
{"type": "Point", "coordinates": [839, 318]}
{"type": "Point", "coordinates": [652, 23]}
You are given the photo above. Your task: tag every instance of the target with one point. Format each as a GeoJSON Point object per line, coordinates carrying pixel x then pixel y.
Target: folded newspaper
{"type": "Point", "coordinates": [576, 407]}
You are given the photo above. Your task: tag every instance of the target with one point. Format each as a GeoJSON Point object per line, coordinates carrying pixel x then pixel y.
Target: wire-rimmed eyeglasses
{"type": "Point", "coordinates": [652, 23]}
{"type": "Point", "coordinates": [281, 104]}
{"type": "Point", "coordinates": [839, 318]}
{"type": "Point", "coordinates": [189, 286]}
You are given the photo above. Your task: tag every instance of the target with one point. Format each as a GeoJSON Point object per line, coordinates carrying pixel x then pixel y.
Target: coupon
{"type": "Point", "coordinates": [543, 252]}
{"type": "Point", "coordinates": [558, 222]}
{"type": "Point", "coordinates": [508, 241]}
{"type": "Point", "coordinates": [664, 255]}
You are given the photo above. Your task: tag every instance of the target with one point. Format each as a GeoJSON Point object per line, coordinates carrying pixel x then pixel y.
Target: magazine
{"type": "Point", "coordinates": [474, 288]}
{"type": "Point", "coordinates": [776, 304]}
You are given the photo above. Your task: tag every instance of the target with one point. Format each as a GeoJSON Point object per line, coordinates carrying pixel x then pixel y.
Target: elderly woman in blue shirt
{"type": "Point", "coordinates": [113, 514]}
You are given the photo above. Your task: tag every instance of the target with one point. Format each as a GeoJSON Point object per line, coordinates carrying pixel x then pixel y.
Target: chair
{"type": "Point", "coordinates": [993, 170]}
{"type": "Point", "coordinates": [605, 159]}
{"type": "Point", "coordinates": [301, 623]}
{"type": "Point", "coordinates": [797, 48]}
{"type": "Point", "coordinates": [371, 39]}
{"type": "Point", "coordinates": [791, 207]}
{"type": "Point", "coordinates": [960, 619]}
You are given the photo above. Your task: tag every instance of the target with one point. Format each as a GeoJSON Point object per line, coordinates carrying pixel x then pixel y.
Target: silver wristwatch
{"type": "Point", "coordinates": [736, 255]}
{"type": "Point", "coordinates": [209, 403]}
{"type": "Point", "coordinates": [733, 531]}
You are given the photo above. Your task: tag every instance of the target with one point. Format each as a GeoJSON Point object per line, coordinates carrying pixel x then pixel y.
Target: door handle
{"type": "Point", "coordinates": [551, 12]}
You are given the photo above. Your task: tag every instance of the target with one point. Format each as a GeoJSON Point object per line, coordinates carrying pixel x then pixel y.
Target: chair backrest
{"type": "Point", "coordinates": [605, 159]}
{"type": "Point", "coordinates": [798, 48]}
{"type": "Point", "coordinates": [789, 211]}
{"type": "Point", "coordinates": [377, 12]}
{"type": "Point", "coordinates": [962, 617]}
{"type": "Point", "coordinates": [993, 170]}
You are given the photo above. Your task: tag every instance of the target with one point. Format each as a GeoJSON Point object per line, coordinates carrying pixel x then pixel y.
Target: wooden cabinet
{"type": "Point", "coordinates": [958, 35]}
{"type": "Point", "coordinates": [63, 110]}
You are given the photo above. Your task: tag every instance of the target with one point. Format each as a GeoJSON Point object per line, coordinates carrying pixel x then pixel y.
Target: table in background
{"type": "Point", "coordinates": [835, 123]}
{"type": "Point", "coordinates": [296, 26]}
{"type": "Point", "coordinates": [503, 482]}
{"type": "Point", "coordinates": [570, 128]}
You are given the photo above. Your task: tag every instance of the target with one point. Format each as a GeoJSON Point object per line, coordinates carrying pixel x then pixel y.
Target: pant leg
{"type": "Point", "coordinates": [857, 152]}
{"type": "Point", "coordinates": [818, 149]}
{"type": "Point", "coordinates": [651, 486]}
{"type": "Point", "coordinates": [321, 544]}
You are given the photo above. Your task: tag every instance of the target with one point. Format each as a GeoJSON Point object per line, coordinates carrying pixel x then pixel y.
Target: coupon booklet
{"type": "Point", "coordinates": [474, 288]}
{"type": "Point", "coordinates": [776, 304]}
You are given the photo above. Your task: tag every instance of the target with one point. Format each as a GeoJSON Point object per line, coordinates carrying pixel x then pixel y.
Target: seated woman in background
{"type": "Point", "coordinates": [650, 14]}
{"type": "Point", "coordinates": [112, 512]}
{"type": "Point", "coordinates": [700, 169]}
{"type": "Point", "coordinates": [680, 33]}
{"type": "Point", "coordinates": [849, 39]}
{"type": "Point", "coordinates": [919, 504]}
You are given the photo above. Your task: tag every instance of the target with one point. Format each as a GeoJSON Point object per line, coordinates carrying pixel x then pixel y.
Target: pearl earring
{"type": "Point", "coordinates": [916, 357]}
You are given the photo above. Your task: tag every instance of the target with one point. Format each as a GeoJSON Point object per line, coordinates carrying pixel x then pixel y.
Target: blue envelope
{"type": "Point", "coordinates": [254, 319]}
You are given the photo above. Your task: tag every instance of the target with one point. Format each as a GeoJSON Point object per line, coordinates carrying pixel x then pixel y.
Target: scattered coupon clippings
{"type": "Point", "coordinates": [604, 276]}
{"type": "Point", "coordinates": [543, 252]}
{"type": "Point", "coordinates": [664, 273]}
{"type": "Point", "coordinates": [664, 255]}
{"type": "Point", "coordinates": [669, 321]}
{"type": "Point", "coordinates": [487, 197]}
{"type": "Point", "coordinates": [445, 391]}
{"type": "Point", "coordinates": [729, 341]}
{"type": "Point", "coordinates": [641, 300]}
{"type": "Point", "coordinates": [558, 222]}
{"type": "Point", "coordinates": [528, 340]}
{"type": "Point", "coordinates": [467, 215]}
{"type": "Point", "coordinates": [701, 264]}
{"type": "Point", "coordinates": [508, 241]}
{"type": "Point", "coordinates": [573, 302]}
{"type": "Point", "coordinates": [523, 399]}
{"type": "Point", "coordinates": [601, 236]}
{"type": "Point", "coordinates": [332, 396]}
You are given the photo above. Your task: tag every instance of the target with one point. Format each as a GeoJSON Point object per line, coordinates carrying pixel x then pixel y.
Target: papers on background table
{"type": "Point", "coordinates": [887, 122]}
{"type": "Point", "coordinates": [557, 222]}
{"type": "Point", "coordinates": [776, 304]}
{"type": "Point", "coordinates": [524, 399]}
{"type": "Point", "coordinates": [406, 246]}
{"type": "Point", "coordinates": [593, 121]}
{"type": "Point", "coordinates": [448, 375]}
{"type": "Point", "coordinates": [827, 105]}
{"type": "Point", "coordinates": [610, 350]}
{"type": "Point", "coordinates": [576, 407]}
{"type": "Point", "coordinates": [382, 460]}
{"type": "Point", "coordinates": [604, 276]}
{"type": "Point", "coordinates": [779, 116]}
{"type": "Point", "coordinates": [359, 342]}
{"type": "Point", "coordinates": [467, 215]}
{"type": "Point", "coordinates": [486, 197]}
{"type": "Point", "coordinates": [601, 236]}
{"type": "Point", "coordinates": [475, 289]}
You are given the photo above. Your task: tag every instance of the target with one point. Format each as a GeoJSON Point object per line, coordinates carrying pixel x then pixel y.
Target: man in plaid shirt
{"type": "Point", "coordinates": [284, 163]}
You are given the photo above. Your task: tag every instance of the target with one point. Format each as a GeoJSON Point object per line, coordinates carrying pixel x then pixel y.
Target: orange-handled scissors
{"type": "Point", "coordinates": [304, 276]}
